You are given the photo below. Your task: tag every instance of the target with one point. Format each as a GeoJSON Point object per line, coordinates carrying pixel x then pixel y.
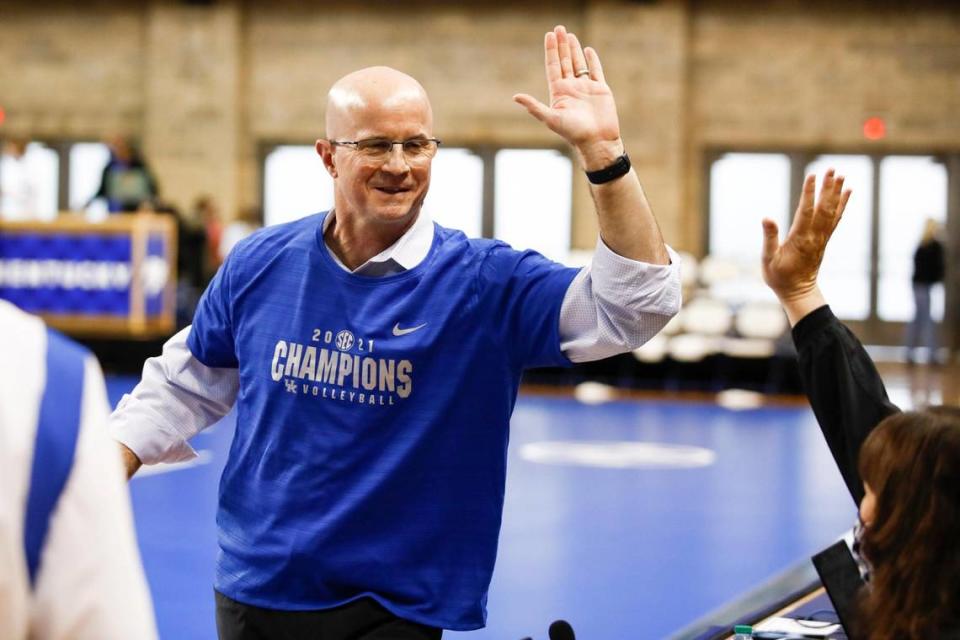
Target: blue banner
{"type": "Point", "coordinates": [65, 273]}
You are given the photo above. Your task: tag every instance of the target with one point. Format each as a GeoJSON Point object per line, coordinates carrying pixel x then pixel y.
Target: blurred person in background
{"type": "Point", "coordinates": [126, 181]}
{"type": "Point", "coordinates": [207, 214]}
{"type": "Point", "coordinates": [928, 270]}
{"type": "Point", "coordinates": [69, 564]}
{"type": "Point", "coordinates": [18, 186]}
{"type": "Point", "coordinates": [902, 469]}
{"type": "Point", "coordinates": [375, 358]}
{"type": "Point", "coordinates": [248, 221]}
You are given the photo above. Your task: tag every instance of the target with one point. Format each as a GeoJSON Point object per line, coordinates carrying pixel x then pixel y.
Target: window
{"type": "Point", "coordinates": [295, 184]}
{"type": "Point", "coordinates": [455, 198]}
{"type": "Point", "coordinates": [87, 161]}
{"type": "Point", "coordinates": [744, 189]}
{"type": "Point", "coordinates": [529, 209]}
{"type": "Point", "coordinates": [868, 267]}
{"type": "Point", "coordinates": [912, 189]}
{"type": "Point", "coordinates": [29, 183]}
{"type": "Point", "coordinates": [532, 200]}
{"type": "Point", "coordinates": [845, 273]}
{"type": "Point", "coordinates": [76, 165]}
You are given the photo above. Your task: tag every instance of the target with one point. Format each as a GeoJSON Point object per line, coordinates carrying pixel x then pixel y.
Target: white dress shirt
{"type": "Point", "coordinates": [612, 306]}
{"type": "Point", "coordinates": [90, 583]}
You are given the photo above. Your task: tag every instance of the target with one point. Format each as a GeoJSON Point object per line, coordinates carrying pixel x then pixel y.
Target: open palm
{"type": "Point", "coordinates": [791, 268]}
{"type": "Point", "coordinates": [582, 109]}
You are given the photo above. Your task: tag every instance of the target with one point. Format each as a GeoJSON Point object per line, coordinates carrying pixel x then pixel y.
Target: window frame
{"type": "Point", "coordinates": [62, 146]}
{"type": "Point", "coordinates": [486, 152]}
{"type": "Point", "coordinates": [872, 329]}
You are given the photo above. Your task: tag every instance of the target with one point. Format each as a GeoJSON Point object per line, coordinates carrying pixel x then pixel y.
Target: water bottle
{"type": "Point", "coordinates": [742, 632]}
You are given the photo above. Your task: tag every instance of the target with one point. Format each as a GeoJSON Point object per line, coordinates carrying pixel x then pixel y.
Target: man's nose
{"type": "Point", "coordinates": [396, 161]}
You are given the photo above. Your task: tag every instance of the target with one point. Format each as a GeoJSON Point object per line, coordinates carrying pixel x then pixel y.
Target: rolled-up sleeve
{"type": "Point", "coordinates": [616, 304]}
{"type": "Point", "coordinates": [177, 397]}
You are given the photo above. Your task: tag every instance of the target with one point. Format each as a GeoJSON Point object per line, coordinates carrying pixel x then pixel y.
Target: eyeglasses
{"type": "Point", "coordinates": [379, 149]}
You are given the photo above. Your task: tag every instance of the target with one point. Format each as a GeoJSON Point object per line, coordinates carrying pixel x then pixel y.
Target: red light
{"type": "Point", "coordinates": [874, 128]}
{"type": "Point", "coordinates": [3, 115]}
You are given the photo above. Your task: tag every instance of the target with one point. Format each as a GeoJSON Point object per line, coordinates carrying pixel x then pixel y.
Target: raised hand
{"type": "Point", "coordinates": [581, 110]}
{"type": "Point", "coordinates": [791, 268]}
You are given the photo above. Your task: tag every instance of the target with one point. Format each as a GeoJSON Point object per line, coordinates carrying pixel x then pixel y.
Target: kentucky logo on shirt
{"type": "Point", "coordinates": [340, 367]}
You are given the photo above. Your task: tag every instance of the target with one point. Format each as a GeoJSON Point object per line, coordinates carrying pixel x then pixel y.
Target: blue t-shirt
{"type": "Point", "coordinates": [372, 418]}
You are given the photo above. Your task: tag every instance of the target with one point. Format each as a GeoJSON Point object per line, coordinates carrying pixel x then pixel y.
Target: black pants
{"type": "Point", "coordinates": [362, 619]}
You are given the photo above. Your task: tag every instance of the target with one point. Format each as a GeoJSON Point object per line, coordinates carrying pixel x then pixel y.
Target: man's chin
{"type": "Point", "coordinates": [397, 213]}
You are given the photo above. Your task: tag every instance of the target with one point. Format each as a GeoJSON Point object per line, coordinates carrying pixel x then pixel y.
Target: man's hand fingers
{"type": "Point", "coordinates": [593, 62]}
{"type": "Point", "coordinates": [576, 53]}
{"type": "Point", "coordinates": [771, 239]}
{"type": "Point", "coordinates": [536, 108]}
{"type": "Point", "coordinates": [552, 58]}
{"type": "Point", "coordinates": [563, 48]}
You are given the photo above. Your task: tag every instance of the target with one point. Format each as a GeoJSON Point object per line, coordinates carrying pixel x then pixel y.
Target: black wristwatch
{"type": "Point", "coordinates": [619, 168]}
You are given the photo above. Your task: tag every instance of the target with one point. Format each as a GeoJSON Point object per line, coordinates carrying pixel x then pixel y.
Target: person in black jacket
{"type": "Point", "coordinates": [903, 469]}
{"type": "Point", "coordinates": [928, 270]}
{"type": "Point", "coordinates": [127, 181]}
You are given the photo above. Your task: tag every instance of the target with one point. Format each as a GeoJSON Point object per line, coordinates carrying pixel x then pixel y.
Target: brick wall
{"type": "Point", "coordinates": [805, 75]}
{"type": "Point", "coordinates": [203, 86]}
{"type": "Point", "coordinates": [72, 71]}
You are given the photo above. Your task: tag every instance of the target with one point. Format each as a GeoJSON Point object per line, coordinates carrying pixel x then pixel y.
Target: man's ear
{"type": "Point", "coordinates": [325, 151]}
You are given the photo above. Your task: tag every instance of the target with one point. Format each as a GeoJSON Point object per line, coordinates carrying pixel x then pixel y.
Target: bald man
{"type": "Point", "coordinates": [374, 358]}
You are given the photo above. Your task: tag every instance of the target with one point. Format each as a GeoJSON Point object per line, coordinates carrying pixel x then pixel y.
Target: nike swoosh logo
{"type": "Point", "coordinates": [397, 331]}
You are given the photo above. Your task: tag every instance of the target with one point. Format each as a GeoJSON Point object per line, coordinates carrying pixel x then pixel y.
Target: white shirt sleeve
{"type": "Point", "coordinates": [90, 585]}
{"type": "Point", "coordinates": [177, 398]}
{"type": "Point", "coordinates": [616, 304]}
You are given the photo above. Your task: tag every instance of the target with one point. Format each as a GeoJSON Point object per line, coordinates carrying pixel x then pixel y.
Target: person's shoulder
{"type": "Point", "coordinates": [498, 252]}
{"type": "Point", "coordinates": [26, 338]}
{"type": "Point", "coordinates": [484, 254]}
{"type": "Point", "coordinates": [455, 238]}
{"type": "Point", "coordinates": [492, 255]}
{"type": "Point", "coordinates": [17, 321]}
{"type": "Point", "coordinates": [266, 241]}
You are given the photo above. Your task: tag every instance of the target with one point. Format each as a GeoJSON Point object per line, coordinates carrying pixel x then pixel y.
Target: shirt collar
{"type": "Point", "coordinates": [406, 253]}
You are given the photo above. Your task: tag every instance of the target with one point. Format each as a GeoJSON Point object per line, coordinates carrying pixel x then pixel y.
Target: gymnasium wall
{"type": "Point", "coordinates": [204, 85]}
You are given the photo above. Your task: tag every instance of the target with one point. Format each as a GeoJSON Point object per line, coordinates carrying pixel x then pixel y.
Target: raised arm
{"type": "Point", "coordinates": [844, 388]}
{"type": "Point", "coordinates": [582, 111]}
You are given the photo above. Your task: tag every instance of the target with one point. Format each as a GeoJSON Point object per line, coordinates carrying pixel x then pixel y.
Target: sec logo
{"type": "Point", "coordinates": [344, 340]}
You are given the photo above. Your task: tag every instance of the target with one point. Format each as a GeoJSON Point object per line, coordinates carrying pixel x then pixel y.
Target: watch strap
{"type": "Point", "coordinates": [619, 168]}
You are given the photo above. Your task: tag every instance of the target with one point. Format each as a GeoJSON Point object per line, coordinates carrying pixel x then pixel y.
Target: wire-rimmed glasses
{"type": "Point", "coordinates": [417, 149]}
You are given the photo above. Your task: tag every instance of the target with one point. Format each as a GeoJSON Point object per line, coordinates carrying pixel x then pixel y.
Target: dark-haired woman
{"type": "Point", "coordinates": [903, 469]}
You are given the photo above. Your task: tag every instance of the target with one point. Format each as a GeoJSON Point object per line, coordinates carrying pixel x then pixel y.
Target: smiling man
{"type": "Point", "coordinates": [380, 184]}
{"type": "Point", "coordinates": [374, 358]}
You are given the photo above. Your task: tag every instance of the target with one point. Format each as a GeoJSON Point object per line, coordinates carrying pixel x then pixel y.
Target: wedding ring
{"type": "Point", "coordinates": [582, 72]}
